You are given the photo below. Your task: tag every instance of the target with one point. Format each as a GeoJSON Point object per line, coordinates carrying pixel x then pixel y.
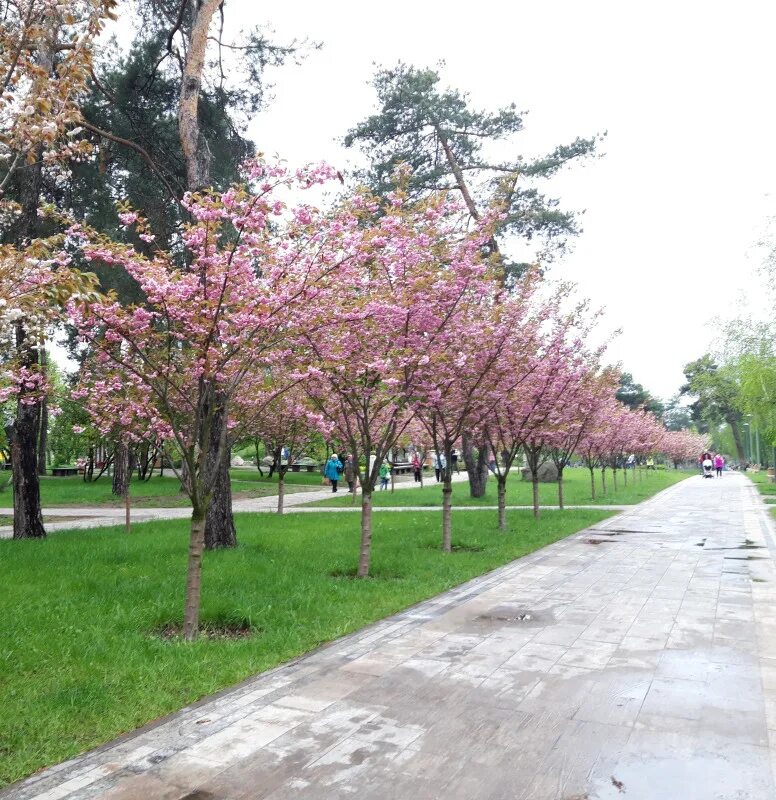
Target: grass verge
{"type": "Point", "coordinates": [576, 483]}
{"type": "Point", "coordinates": [764, 486]}
{"type": "Point", "coordinates": [158, 492]}
{"type": "Point", "coordinates": [80, 662]}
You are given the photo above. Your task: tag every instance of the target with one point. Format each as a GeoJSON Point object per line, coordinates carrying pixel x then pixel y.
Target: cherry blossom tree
{"type": "Point", "coordinates": [582, 403]}
{"type": "Point", "coordinates": [285, 422]}
{"type": "Point", "coordinates": [464, 385]}
{"type": "Point", "coordinates": [34, 287]}
{"type": "Point", "coordinates": [248, 270]}
{"type": "Point", "coordinates": [395, 309]}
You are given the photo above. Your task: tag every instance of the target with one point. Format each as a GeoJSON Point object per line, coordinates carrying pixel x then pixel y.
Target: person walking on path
{"type": "Point", "coordinates": [385, 474]}
{"type": "Point", "coordinates": [416, 467]}
{"type": "Point", "coordinates": [454, 461]}
{"type": "Point", "coordinates": [333, 470]}
{"type": "Point", "coordinates": [440, 462]}
{"type": "Point", "coordinates": [719, 464]}
{"type": "Point", "coordinates": [351, 472]}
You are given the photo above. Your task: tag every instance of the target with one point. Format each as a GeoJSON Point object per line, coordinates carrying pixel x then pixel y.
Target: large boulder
{"type": "Point", "coordinates": [548, 473]}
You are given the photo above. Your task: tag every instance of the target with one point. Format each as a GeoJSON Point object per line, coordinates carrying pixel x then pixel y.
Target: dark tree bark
{"type": "Point", "coordinates": [736, 431]}
{"type": "Point", "coordinates": [476, 465]}
{"type": "Point", "coordinates": [122, 469]}
{"type": "Point", "coordinates": [23, 438]}
{"type": "Point", "coordinates": [25, 431]}
{"type": "Point", "coordinates": [219, 522]}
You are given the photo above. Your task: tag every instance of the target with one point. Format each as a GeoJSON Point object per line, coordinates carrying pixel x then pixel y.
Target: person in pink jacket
{"type": "Point", "coordinates": [719, 463]}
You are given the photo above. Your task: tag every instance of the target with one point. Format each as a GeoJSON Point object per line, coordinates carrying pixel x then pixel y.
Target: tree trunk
{"type": "Point", "coordinates": [560, 489]}
{"type": "Point", "coordinates": [281, 488]}
{"type": "Point", "coordinates": [194, 146]}
{"type": "Point", "coordinates": [122, 470]}
{"type": "Point", "coordinates": [447, 513]}
{"type": "Point", "coordinates": [194, 576]}
{"type": "Point", "coordinates": [219, 524]}
{"type": "Point", "coordinates": [25, 431]}
{"type": "Point", "coordinates": [365, 554]}
{"type": "Point", "coordinates": [476, 466]}
{"type": "Point", "coordinates": [734, 429]}
{"type": "Point", "coordinates": [535, 494]}
{"type": "Point", "coordinates": [44, 417]}
{"type": "Point", "coordinates": [614, 478]}
{"type": "Point", "coordinates": [592, 483]}
{"type": "Point", "coordinates": [502, 503]}
{"type": "Point", "coordinates": [23, 437]}
{"type": "Point", "coordinates": [603, 481]}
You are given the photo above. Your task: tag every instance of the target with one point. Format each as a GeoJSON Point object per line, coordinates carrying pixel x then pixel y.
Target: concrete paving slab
{"type": "Point", "coordinates": [644, 667]}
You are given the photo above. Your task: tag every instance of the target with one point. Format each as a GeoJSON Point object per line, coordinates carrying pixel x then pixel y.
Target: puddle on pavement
{"type": "Point", "coordinates": [518, 615]}
{"type": "Point", "coordinates": [599, 541]}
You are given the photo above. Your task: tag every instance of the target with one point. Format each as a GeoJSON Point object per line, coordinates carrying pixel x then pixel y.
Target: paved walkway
{"type": "Point", "coordinates": [636, 659]}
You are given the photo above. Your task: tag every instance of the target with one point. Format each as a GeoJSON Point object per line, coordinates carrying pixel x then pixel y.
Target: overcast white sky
{"type": "Point", "coordinates": [685, 90]}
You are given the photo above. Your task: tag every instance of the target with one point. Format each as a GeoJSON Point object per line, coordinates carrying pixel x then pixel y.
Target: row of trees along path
{"type": "Point", "coordinates": [214, 321]}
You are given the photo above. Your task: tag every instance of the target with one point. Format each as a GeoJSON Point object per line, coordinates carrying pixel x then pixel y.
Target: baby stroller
{"type": "Point", "coordinates": [708, 468]}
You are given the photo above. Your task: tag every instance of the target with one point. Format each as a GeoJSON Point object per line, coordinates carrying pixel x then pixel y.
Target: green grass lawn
{"type": "Point", "coordinates": [576, 491]}
{"type": "Point", "coordinates": [764, 486]}
{"type": "Point", "coordinates": [79, 660]}
{"type": "Point", "coordinates": [158, 491]}
{"type": "Point", "coordinates": [245, 475]}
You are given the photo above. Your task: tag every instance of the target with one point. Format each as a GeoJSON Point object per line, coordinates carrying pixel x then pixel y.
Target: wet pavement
{"type": "Point", "coordinates": [636, 659]}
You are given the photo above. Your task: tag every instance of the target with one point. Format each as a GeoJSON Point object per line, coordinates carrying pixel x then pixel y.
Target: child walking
{"type": "Point", "coordinates": [385, 473]}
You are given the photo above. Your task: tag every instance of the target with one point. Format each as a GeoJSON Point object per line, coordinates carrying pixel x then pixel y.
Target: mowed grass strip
{"type": "Point", "coordinates": [79, 660]}
{"type": "Point", "coordinates": [576, 490]}
{"type": "Point", "coordinates": [763, 484]}
{"type": "Point", "coordinates": [162, 492]}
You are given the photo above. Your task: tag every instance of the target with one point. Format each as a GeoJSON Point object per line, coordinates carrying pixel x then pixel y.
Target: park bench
{"type": "Point", "coordinates": [62, 472]}
{"type": "Point", "coordinates": [402, 468]}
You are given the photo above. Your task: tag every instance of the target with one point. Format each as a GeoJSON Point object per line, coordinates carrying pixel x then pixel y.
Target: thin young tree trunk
{"type": "Point", "coordinates": [625, 475]}
{"type": "Point", "coordinates": [592, 483]}
{"type": "Point", "coordinates": [502, 503]}
{"type": "Point", "coordinates": [447, 513]}
{"type": "Point", "coordinates": [614, 478]}
{"type": "Point", "coordinates": [560, 489]}
{"type": "Point", "coordinates": [281, 488]}
{"type": "Point", "coordinates": [603, 481]}
{"type": "Point", "coordinates": [365, 553]}
{"type": "Point", "coordinates": [535, 494]}
{"type": "Point", "coordinates": [194, 575]}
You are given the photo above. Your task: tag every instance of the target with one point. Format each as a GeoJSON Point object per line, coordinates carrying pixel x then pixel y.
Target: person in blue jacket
{"type": "Point", "coordinates": [333, 470]}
